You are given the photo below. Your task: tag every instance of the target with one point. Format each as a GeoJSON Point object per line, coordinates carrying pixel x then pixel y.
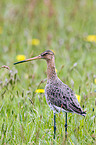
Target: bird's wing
{"type": "Point", "coordinates": [63, 97]}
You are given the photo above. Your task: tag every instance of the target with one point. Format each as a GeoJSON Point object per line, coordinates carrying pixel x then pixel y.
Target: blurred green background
{"type": "Point", "coordinates": [63, 27]}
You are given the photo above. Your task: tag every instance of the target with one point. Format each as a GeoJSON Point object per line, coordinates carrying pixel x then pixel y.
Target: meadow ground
{"type": "Point", "coordinates": [62, 26]}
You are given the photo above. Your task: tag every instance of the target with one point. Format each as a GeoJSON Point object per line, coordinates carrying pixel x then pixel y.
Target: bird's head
{"type": "Point", "coordinates": [47, 55]}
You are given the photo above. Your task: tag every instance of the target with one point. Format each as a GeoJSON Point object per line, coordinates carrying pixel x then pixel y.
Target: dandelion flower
{"type": "Point", "coordinates": [95, 80]}
{"type": "Point", "coordinates": [1, 30]}
{"type": "Point", "coordinates": [20, 57]}
{"type": "Point", "coordinates": [56, 70]}
{"type": "Point", "coordinates": [52, 51]}
{"type": "Point", "coordinates": [40, 91]}
{"type": "Point", "coordinates": [78, 97]}
{"type": "Point", "coordinates": [91, 38]}
{"type": "Point", "coordinates": [34, 42]}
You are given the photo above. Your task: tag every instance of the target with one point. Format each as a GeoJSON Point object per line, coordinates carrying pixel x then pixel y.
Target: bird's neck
{"type": "Point", "coordinates": [51, 72]}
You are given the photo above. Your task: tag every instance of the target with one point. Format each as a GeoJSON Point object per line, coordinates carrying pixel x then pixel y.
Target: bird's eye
{"type": "Point", "coordinates": [44, 54]}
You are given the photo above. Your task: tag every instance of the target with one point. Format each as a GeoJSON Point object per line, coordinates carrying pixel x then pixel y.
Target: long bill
{"type": "Point", "coordinates": [30, 59]}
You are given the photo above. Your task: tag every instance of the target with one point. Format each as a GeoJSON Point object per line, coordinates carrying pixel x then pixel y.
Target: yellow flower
{"type": "Point", "coordinates": [34, 42]}
{"type": "Point", "coordinates": [20, 57]}
{"type": "Point", "coordinates": [52, 51]}
{"type": "Point", "coordinates": [56, 70]}
{"type": "Point", "coordinates": [91, 38]}
{"type": "Point", "coordinates": [1, 30]}
{"type": "Point", "coordinates": [95, 80]}
{"type": "Point", "coordinates": [40, 91]}
{"type": "Point", "coordinates": [78, 97]}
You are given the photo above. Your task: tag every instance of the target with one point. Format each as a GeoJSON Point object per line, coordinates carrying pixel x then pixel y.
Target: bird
{"type": "Point", "coordinates": [59, 96]}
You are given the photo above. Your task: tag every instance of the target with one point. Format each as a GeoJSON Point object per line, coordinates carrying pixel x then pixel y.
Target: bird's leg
{"type": "Point", "coordinates": [65, 125]}
{"type": "Point", "coordinates": [54, 125]}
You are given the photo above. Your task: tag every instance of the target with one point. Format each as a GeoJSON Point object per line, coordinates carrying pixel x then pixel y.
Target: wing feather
{"type": "Point", "coordinates": [63, 97]}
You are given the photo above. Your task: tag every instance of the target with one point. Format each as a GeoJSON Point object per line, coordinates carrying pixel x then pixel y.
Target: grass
{"type": "Point", "coordinates": [25, 117]}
